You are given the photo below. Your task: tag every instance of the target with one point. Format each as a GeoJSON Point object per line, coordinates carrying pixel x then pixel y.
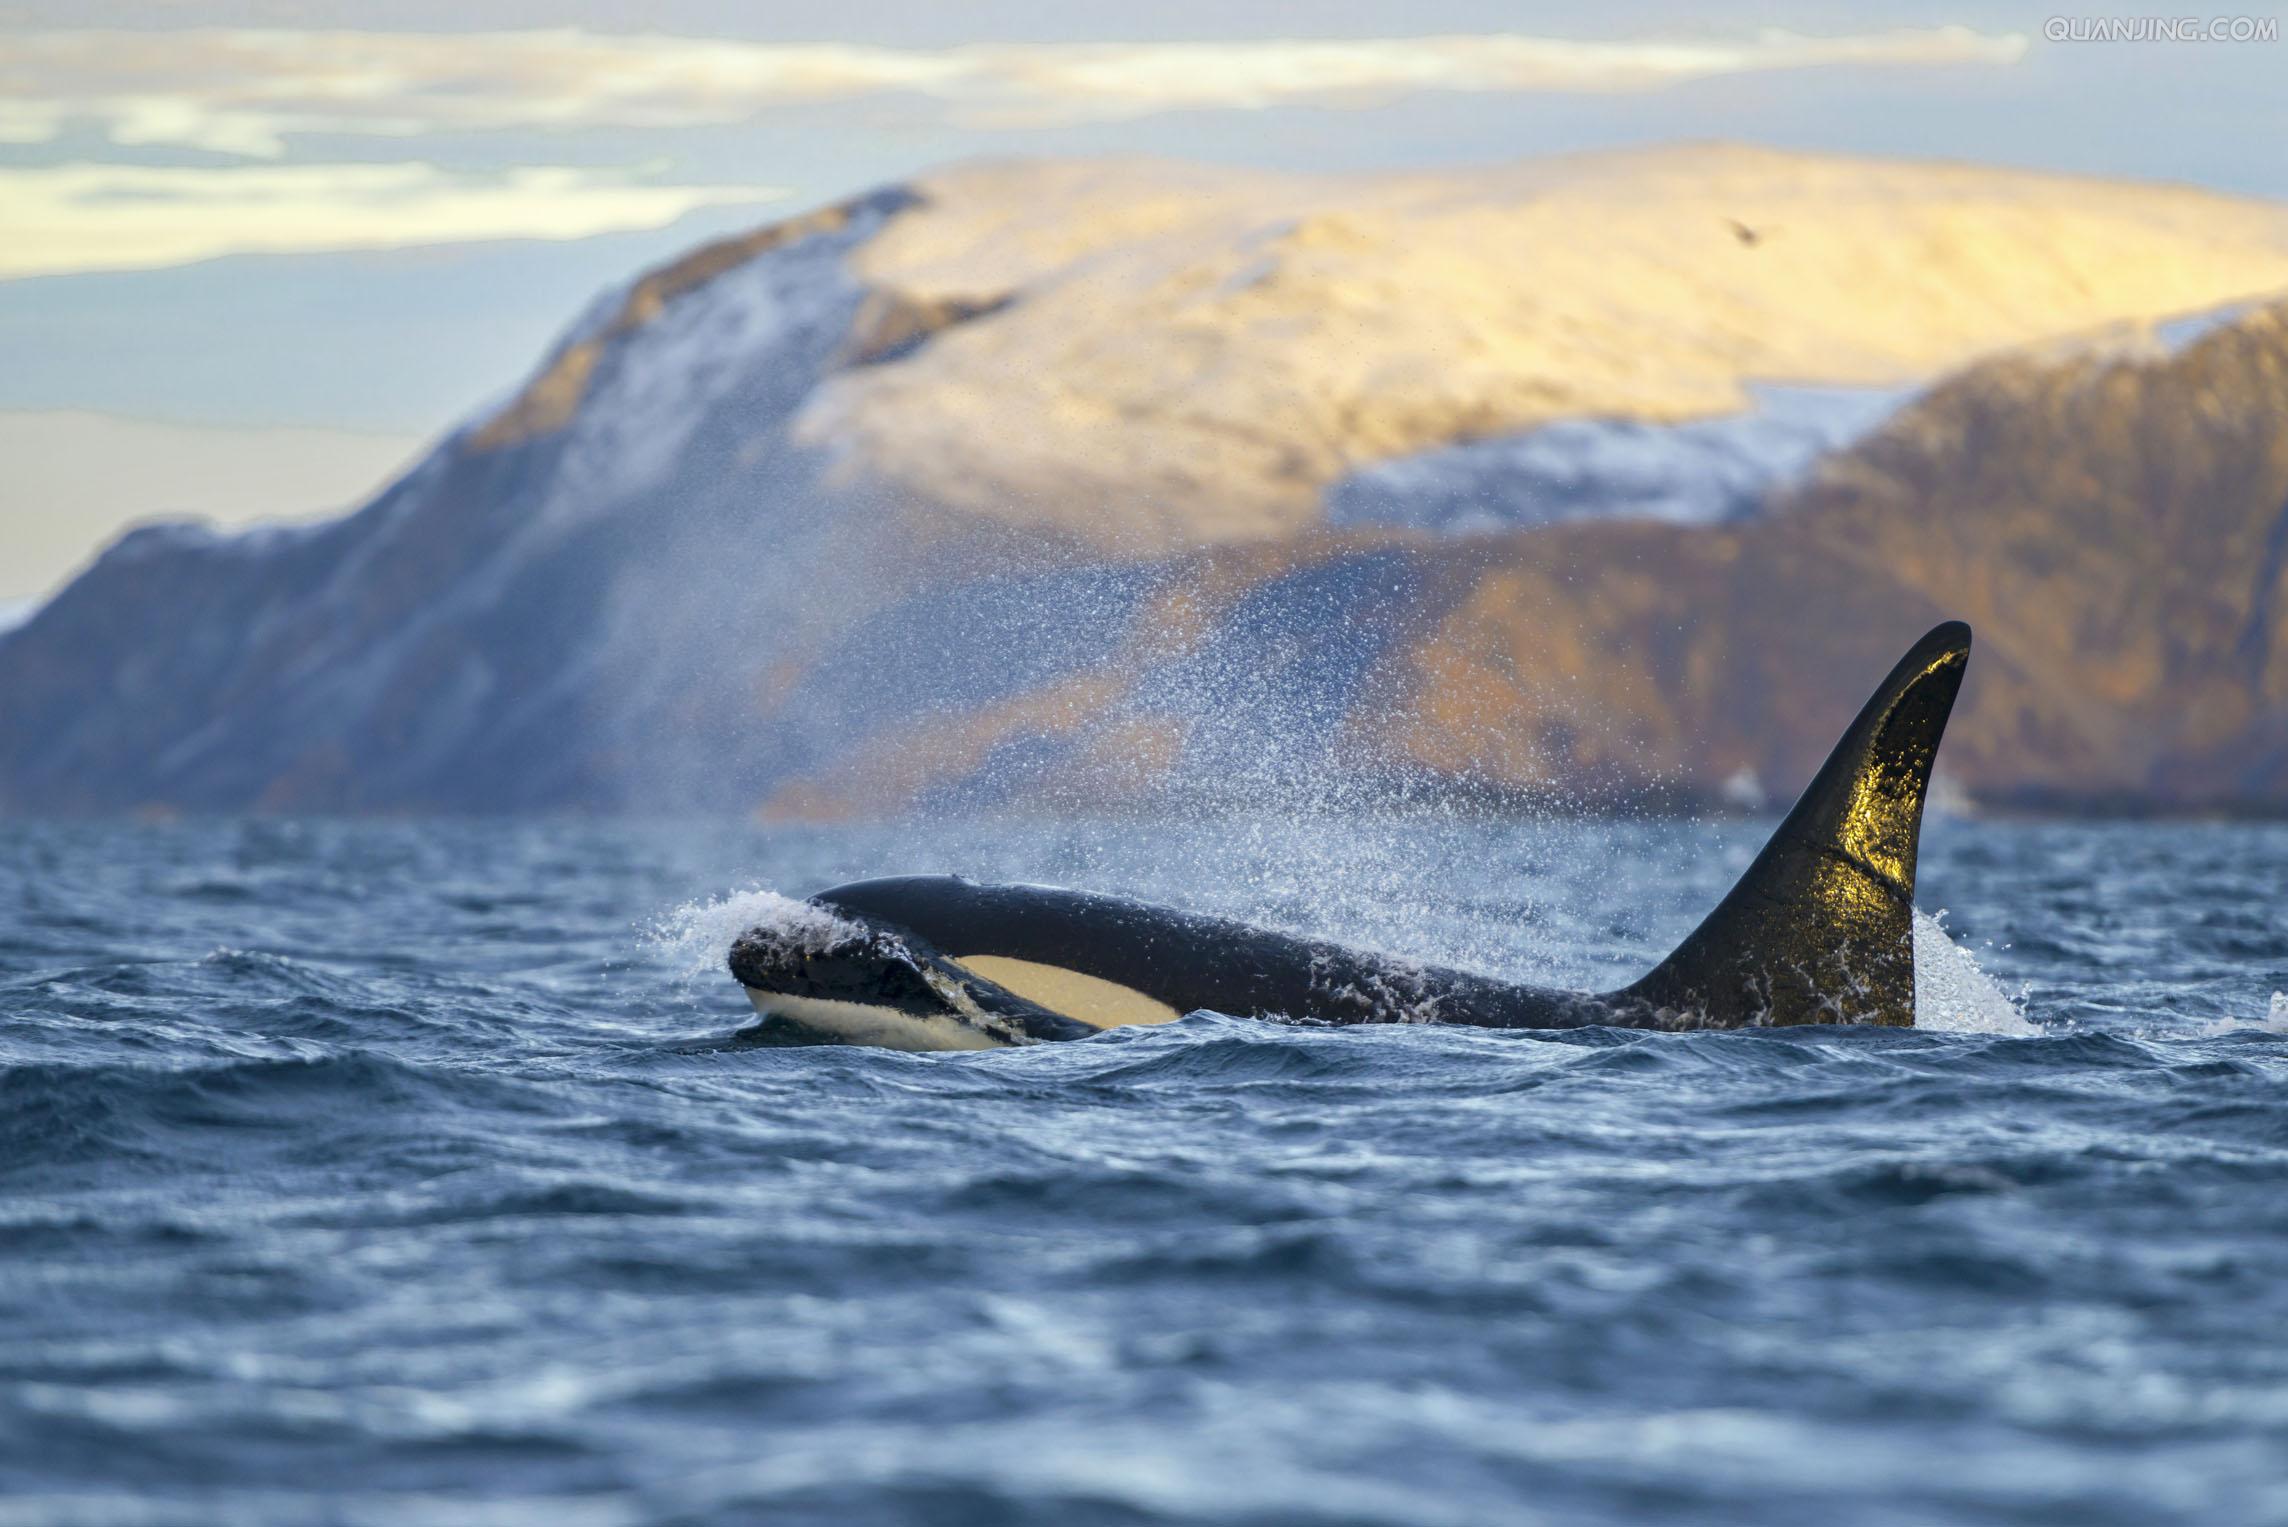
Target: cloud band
{"type": "Point", "coordinates": [245, 92]}
{"type": "Point", "coordinates": [81, 217]}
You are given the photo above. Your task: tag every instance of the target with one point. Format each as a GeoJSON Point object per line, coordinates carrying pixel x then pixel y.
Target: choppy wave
{"type": "Point", "coordinates": [372, 1173]}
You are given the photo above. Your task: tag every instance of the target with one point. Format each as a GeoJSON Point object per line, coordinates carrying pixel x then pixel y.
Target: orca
{"type": "Point", "coordinates": [1819, 929]}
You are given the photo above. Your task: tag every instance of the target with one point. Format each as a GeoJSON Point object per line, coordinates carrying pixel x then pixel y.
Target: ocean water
{"type": "Point", "coordinates": [399, 1172]}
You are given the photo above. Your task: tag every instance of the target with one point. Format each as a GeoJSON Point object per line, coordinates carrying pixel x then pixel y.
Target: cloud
{"type": "Point", "coordinates": [246, 92]}
{"type": "Point", "coordinates": [79, 217]}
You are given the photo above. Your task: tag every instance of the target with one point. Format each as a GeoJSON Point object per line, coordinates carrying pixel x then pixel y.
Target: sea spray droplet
{"type": "Point", "coordinates": [1952, 992]}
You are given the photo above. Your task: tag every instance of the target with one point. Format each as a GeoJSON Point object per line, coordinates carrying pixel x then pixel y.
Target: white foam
{"type": "Point", "coordinates": [2274, 1021]}
{"type": "Point", "coordinates": [1953, 994]}
{"type": "Point", "coordinates": [696, 938]}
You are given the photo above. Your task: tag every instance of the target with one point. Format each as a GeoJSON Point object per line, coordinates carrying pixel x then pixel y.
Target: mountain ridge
{"type": "Point", "coordinates": [670, 574]}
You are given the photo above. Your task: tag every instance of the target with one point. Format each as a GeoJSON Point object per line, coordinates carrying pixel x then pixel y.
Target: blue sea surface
{"type": "Point", "coordinates": [401, 1172]}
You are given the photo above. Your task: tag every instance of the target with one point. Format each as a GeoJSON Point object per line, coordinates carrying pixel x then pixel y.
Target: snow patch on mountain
{"type": "Point", "coordinates": [2174, 334]}
{"type": "Point", "coordinates": [171, 538]}
{"type": "Point", "coordinates": [659, 384]}
{"type": "Point", "coordinates": [1703, 472]}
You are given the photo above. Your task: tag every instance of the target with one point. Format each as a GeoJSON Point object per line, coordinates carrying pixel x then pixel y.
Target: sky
{"type": "Point", "coordinates": [254, 255]}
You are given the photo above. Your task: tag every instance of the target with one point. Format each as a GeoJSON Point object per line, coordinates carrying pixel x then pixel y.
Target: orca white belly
{"type": "Point", "coordinates": [863, 1023]}
{"type": "Point", "coordinates": [1092, 1000]}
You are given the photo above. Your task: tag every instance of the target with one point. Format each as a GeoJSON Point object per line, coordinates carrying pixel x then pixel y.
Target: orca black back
{"type": "Point", "coordinates": [1820, 929]}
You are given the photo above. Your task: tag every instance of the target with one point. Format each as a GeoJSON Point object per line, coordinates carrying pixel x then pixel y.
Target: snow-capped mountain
{"type": "Point", "coordinates": [1065, 483]}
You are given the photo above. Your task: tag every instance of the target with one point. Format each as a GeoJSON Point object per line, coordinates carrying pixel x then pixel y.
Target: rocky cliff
{"type": "Point", "coordinates": [1079, 485]}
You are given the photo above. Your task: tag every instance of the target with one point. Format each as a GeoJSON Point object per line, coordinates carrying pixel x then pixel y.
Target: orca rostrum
{"type": "Point", "coordinates": [1819, 930]}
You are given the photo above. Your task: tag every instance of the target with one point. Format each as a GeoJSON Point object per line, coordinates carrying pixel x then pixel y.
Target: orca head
{"type": "Point", "coordinates": [859, 980]}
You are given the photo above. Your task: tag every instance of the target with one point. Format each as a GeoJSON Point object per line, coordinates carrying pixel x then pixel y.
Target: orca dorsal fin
{"type": "Point", "coordinates": [1821, 927]}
